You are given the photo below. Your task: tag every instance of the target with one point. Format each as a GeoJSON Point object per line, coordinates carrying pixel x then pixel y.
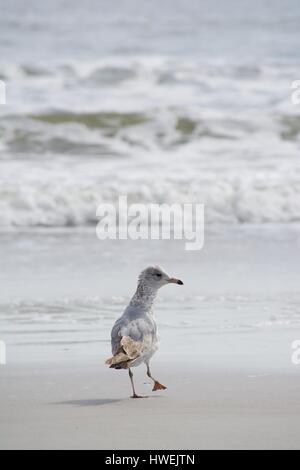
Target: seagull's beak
{"type": "Point", "coordinates": [173, 280]}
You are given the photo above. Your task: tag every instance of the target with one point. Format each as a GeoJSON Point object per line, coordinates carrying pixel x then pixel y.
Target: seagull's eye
{"type": "Point", "coordinates": [158, 274]}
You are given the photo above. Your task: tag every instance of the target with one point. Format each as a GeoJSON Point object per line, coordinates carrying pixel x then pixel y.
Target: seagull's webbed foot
{"type": "Point", "coordinates": [158, 386]}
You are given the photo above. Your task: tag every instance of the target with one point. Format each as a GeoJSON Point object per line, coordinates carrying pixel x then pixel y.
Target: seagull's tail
{"type": "Point", "coordinates": [119, 361]}
{"type": "Point", "coordinates": [128, 352]}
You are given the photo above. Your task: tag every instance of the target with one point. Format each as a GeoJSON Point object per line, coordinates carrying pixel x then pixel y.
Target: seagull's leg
{"type": "Point", "coordinates": [157, 385]}
{"type": "Point", "coordinates": [132, 384]}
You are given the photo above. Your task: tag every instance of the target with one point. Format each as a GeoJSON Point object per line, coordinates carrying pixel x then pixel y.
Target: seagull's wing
{"type": "Point", "coordinates": [132, 336]}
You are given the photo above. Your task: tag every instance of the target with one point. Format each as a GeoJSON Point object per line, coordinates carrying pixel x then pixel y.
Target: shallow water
{"type": "Point", "coordinates": [69, 288]}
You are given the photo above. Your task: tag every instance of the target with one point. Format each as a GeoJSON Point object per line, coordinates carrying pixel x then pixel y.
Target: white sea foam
{"type": "Point", "coordinates": [75, 134]}
{"type": "Point", "coordinates": [68, 193]}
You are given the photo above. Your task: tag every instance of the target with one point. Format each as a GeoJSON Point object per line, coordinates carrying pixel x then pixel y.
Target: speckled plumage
{"type": "Point", "coordinates": [134, 337]}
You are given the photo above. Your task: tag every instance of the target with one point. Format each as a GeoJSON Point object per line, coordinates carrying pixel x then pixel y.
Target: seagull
{"type": "Point", "coordinates": [134, 335]}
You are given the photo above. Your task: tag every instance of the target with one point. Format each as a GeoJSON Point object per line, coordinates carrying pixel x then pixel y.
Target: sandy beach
{"type": "Point", "coordinates": [64, 406]}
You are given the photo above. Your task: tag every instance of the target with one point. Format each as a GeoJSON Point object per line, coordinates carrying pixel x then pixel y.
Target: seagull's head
{"type": "Point", "coordinates": [155, 277]}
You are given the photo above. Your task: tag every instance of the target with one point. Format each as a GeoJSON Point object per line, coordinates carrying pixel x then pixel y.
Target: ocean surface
{"type": "Point", "coordinates": [171, 102]}
{"type": "Point", "coordinates": [168, 101]}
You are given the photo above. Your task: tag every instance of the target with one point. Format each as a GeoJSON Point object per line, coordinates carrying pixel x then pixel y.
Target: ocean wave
{"type": "Point", "coordinates": [130, 67]}
{"type": "Point", "coordinates": [161, 130]}
{"type": "Point", "coordinates": [50, 199]}
{"type": "Point", "coordinates": [134, 84]}
{"type": "Point", "coordinates": [73, 107]}
{"type": "Point", "coordinates": [108, 134]}
{"type": "Point", "coordinates": [100, 120]}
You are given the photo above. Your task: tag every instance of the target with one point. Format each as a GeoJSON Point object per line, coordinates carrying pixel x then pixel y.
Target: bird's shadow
{"type": "Point", "coordinates": [90, 402]}
{"type": "Point", "coordinates": [99, 401]}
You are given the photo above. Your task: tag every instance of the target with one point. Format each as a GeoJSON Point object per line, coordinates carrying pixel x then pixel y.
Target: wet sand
{"type": "Point", "coordinates": [88, 407]}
